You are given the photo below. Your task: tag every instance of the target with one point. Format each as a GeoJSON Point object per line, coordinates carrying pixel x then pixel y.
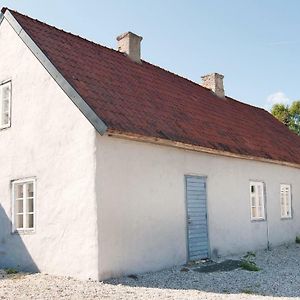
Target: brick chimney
{"type": "Point", "coordinates": [130, 43]}
{"type": "Point", "coordinates": [214, 82]}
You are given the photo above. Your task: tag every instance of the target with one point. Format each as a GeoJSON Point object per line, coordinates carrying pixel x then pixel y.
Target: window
{"type": "Point", "coordinates": [5, 103]}
{"type": "Point", "coordinates": [257, 200]}
{"type": "Point", "coordinates": [285, 201]}
{"type": "Point", "coordinates": [23, 195]}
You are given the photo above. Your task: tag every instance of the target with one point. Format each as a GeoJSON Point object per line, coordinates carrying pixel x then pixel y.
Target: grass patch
{"type": "Point", "coordinates": [297, 240]}
{"type": "Point", "coordinates": [249, 266]}
{"type": "Point", "coordinates": [249, 255]}
{"type": "Point", "coordinates": [10, 271]}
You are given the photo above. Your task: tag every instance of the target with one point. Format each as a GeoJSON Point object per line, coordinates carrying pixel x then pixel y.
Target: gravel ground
{"type": "Point", "coordinates": [279, 277]}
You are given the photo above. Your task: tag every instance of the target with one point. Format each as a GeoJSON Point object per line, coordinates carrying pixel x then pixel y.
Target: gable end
{"type": "Point", "coordinates": [85, 109]}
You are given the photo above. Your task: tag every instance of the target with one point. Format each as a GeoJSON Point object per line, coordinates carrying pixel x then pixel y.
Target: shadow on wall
{"type": "Point", "coordinates": [13, 252]}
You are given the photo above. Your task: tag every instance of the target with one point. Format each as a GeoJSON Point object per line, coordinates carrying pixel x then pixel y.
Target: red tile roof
{"type": "Point", "coordinates": [146, 100]}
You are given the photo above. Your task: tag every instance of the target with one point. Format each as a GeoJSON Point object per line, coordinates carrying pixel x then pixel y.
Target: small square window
{"type": "Point", "coordinates": [23, 197]}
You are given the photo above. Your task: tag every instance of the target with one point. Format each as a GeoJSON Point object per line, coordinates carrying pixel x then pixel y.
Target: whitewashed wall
{"type": "Point", "coordinates": [141, 196]}
{"type": "Point", "coordinates": [50, 139]}
{"type": "Point", "coordinates": [139, 218]}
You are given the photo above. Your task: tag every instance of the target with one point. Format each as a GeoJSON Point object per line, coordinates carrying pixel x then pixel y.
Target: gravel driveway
{"type": "Point", "coordinates": [279, 277]}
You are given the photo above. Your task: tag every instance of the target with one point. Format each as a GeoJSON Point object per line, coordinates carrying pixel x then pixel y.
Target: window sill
{"type": "Point", "coordinates": [5, 127]}
{"type": "Point", "coordinates": [286, 218]}
{"type": "Point", "coordinates": [23, 231]}
{"type": "Point", "coordinates": [258, 220]}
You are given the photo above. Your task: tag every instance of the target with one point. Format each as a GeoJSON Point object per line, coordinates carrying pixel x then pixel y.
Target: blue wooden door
{"type": "Point", "coordinates": [197, 232]}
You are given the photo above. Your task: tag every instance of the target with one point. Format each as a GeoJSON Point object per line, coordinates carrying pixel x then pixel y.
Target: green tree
{"type": "Point", "coordinates": [281, 112]}
{"type": "Point", "coordinates": [294, 110]}
{"type": "Point", "coordinates": [288, 115]}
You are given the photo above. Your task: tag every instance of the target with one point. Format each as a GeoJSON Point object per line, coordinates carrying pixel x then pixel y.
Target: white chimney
{"type": "Point", "coordinates": [130, 43]}
{"type": "Point", "coordinates": [214, 82]}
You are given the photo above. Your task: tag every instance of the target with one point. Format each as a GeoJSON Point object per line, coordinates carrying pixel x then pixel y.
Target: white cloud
{"type": "Point", "coordinates": [278, 97]}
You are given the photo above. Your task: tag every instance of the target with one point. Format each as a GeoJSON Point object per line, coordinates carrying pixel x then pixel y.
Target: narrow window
{"type": "Point", "coordinates": [5, 104]}
{"type": "Point", "coordinates": [257, 200]}
{"type": "Point", "coordinates": [23, 195]}
{"type": "Point", "coordinates": [285, 201]}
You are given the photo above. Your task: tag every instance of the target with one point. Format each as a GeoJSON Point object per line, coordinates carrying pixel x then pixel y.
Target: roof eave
{"type": "Point", "coordinates": [85, 109]}
{"type": "Point", "coordinates": [185, 146]}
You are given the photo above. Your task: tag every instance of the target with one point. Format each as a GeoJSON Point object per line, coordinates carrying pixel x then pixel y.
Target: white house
{"type": "Point", "coordinates": [110, 165]}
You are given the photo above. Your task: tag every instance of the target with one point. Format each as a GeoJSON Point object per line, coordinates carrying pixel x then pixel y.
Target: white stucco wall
{"type": "Point", "coordinates": [107, 206]}
{"type": "Point", "coordinates": [142, 214]}
{"type": "Point", "coordinates": [49, 138]}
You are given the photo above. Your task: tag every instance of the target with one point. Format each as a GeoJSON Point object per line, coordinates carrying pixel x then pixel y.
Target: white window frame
{"type": "Point", "coordinates": [2, 85]}
{"type": "Point", "coordinates": [14, 183]}
{"type": "Point", "coordinates": [286, 210]}
{"type": "Point", "coordinates": [258, 185]}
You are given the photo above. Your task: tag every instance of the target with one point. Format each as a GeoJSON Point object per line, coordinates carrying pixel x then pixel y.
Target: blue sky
{"type": "Point", "coordinates": [255, 44]}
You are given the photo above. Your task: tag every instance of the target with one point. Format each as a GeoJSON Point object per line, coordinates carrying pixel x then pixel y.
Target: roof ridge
{"type": "Point", "coordinates": [60, 29]}
{"type": "Point", "coordinates": [120, 53]}
{"type": "Point", "coordinates": [247, 104]}
{"type": "Point", "coordinates": [199, 85]}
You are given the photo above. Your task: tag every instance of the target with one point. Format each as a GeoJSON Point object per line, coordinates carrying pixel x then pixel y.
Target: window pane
{"type": "Point", "coordinates": [259, 200]}
{"type": "Point", "coordinates": [29, 187]}
{"type": "Point", "coordinates": [19, 191]}
{"type": "Point", "coordinates": [285, 205]}
{"type": "Point", "coordinates": [259, 190]}
{"type": "Point", "coordinates": [252, 189]}
{"type": "Point", "coordinates": [19, 206]}
{"type": "Point", "coordinates": [6, 91]}
{"type": "Point", "coordinates": [5, 118]}
{"type": "Point", "coordinates": [29, 221]}
{"type": "Point", "coordinates": [260, 212]}
{"type": "Point", "coordinates": [29, 207]}
{"type": "Point", "coordinates": [19, 221]}
{"type": "Point", "coordinates": [5, 105]}
{"type": "Point", "coordinates": [253, 212]}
